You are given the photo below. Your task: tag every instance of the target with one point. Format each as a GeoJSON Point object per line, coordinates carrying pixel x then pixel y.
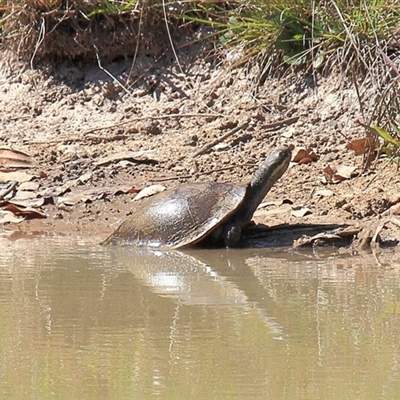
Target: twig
{"type": "Point", "coordinates": [208, 146]}
{"type": "Point", "coordinates": [273, 125]}
{"type": "Point", "coordinates": [394, 221]}
{"type": "Point", "coordinates": [108, 72]}
{"type": "Point", "coordinates": [170, 38]}
{"type": "Point", "coordinates": [143, 118]}
{"type": "Point", "coordinates": [376, 175]}
{"type": "Point", "coordinates": [375, 238]}
{"type": "Point", "coordinates": [173, 178]}
{"type": "Point", "coordinates": [281, 123]}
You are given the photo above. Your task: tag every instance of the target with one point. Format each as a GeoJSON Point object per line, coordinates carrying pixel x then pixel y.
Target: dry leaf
{"type": "Point", "coordinates": [24, 194]}
{"type": "Point", "coordinates": [8, 190]}
{"type": "Point", "coordinates": [31, 202]}
{"type": "Point", "coordinates": [85, 177]}
{"type": "Point", "coordinates": [28, 212]}
{"type": "Point", "coordinates": [9, 217]}
{"type": "Point", "coordinates": [359, 146]}
{"type": "Point", "coordinates": [276, 203]}
{"type": "Point", "coordinates": [18, 176]}
{"type": "Point", "coordinates": [323, 193]}
{"type": "Point", "coordinates": [306, 160]}
{"type": "Point", "coordinates": [149, 191]}
{"type": "Point", "coordinates": [300, 211]}
{"type": "Point", "coordinates": [29, 186]}
{"type": "Point", "coordinates": [222, 146]}
{"type": "Point", "coordinates": [336, 173]}
{"type": "Point", "coordinates": [15, 159]}
{"type": "Point", "coordinates": [303, 155]}
{"type": "Point", "coordinates": [84, 196]}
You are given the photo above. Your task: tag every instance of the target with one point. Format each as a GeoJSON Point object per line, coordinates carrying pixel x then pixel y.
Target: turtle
{"type": "Point", "coordinates": [211, 214]}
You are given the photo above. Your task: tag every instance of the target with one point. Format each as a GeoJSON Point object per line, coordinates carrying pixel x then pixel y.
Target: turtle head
{"type": "Point", "coordinates": [273, 167]}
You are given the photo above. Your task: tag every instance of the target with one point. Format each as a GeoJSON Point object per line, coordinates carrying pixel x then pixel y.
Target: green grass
{"type": "Point", "coordinates": [314, 34]}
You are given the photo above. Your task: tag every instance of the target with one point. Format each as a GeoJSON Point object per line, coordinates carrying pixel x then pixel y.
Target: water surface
{"type": "Point", "coordinates": [81, 321]}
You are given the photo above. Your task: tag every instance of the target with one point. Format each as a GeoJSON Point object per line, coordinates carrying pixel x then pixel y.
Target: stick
{"type": "Point", "coordinates": [151, 117]}
{"type": "Point", "coordinates": [281, 123]}
{"type": "Point", "coordinates": [173, 178]}
{"type": "Point", "coordinates": [273, 125]}
{"type": "Point", "coordinates": [134, 119]}
{"type": "Point", "coordinates": [208, 146]}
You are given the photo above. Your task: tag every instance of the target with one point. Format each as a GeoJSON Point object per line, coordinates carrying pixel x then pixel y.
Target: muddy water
{"type": "Point", "coordinates": [79, 321]}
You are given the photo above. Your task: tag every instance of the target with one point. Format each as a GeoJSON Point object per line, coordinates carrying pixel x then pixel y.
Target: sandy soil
{"type": "Point", "coordinates": [94, 135]}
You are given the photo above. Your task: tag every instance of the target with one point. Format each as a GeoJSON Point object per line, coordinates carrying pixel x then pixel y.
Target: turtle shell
{"type": "Point", "coordinates": [180, 217]}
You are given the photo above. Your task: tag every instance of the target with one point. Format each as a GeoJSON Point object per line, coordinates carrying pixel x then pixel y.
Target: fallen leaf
{"type": "Point", "coordinates": [28, 212]}
{"type": "Point", "coordinates": [323, 193]}
{"type": "Point", "coordinates": [125, 190]}
{"type": "Point", "coordinates": [336, 173]}
{"type": "Point", "coordinates": [359, 146]}
{"type": "Point", "coordinates": [222, 146]}
{"type": "Point", "coordinates": [149, 191]}
{"type": "Point", "coordinates": [66, 187]}
{"type": "Point", "coordinates": [18, 176]}
{"type": "Point", "coordinates": [9, 217]}
{"type": "Point", "coordinates": [276, 203]}
{"type": "Point", "coordinates": [84, 196]}
{"type": "Point", "coordinates": [303, 155]}
{"type": "Point", "coordinates": [31, 202]}
{"type": "Point", "coordinates": [305, 160]}
{"type": "Point", "coordinates": [15, 159]}
{"type": "Point", "coordinates": [29, 186]}
{"type": "Point", "coordinates": [300, 211]}
{"type": "Point", "coordinates": [138, 156]}
{"type": "Point", "coordinates": [85, 177]}
{"type": "Point", "coordinates": [24, 194]}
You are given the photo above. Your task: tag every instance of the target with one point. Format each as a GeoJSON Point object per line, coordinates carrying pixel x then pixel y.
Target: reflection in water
{"type": "Point", "coordinates": [78, 320]}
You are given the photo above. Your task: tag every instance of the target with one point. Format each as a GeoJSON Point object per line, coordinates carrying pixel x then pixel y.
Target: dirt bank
{"type": "Point", "coordinates": [97, 136]}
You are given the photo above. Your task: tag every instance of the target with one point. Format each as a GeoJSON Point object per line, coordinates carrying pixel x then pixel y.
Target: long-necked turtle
{"type": "Point", "coordinates": [214, 213]}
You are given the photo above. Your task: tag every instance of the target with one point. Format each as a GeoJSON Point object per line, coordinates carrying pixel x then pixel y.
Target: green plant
{"type": "Point", "coordinates": [303, 32]}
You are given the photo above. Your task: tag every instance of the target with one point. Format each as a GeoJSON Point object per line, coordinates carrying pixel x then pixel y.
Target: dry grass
{"type": "Point", "coordinates": [86, 30]}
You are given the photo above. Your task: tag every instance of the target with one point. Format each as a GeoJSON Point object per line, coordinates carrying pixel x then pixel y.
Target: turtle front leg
{"type": "Point", "coordinates": [232, 235]}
